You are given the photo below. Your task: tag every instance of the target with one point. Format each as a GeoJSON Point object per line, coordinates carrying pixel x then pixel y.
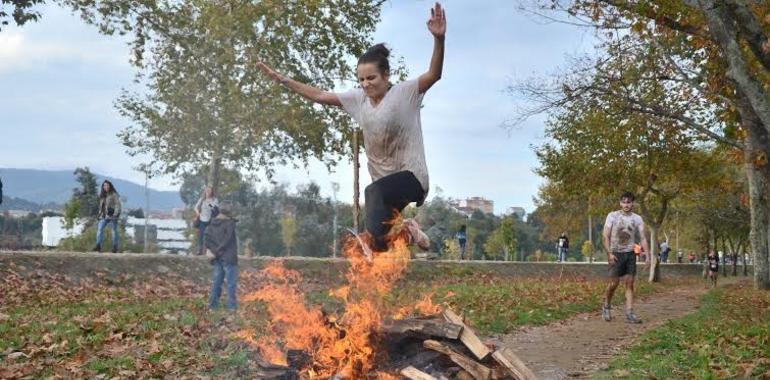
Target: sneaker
{"type": "Point", "coordinates": [97, 248]}
{"type": "Point", "coordinates": [416, 236]}
{"type": "Point", "coordinates": [606, 315]}
{"type": "Point", "coordinates": [632, 318]}
{"type": "Point", "coordinates": [114, 250]}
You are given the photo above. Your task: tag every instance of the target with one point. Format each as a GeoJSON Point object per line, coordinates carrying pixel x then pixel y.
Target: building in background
{"type": "Point", "coordinates": [54, 230]}
{"type": "Point", "coordinates": [169, 235]}
{"type": "Point", "coordinates": [516, 211]}
{"type": "Point", "coordinates": [469, 205]}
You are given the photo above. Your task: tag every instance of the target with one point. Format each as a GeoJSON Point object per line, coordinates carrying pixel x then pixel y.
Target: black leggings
{"type": "Point", "coordinates": [385, 198]}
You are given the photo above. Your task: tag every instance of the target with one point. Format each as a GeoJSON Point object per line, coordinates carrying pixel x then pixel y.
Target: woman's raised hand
{"type": "Point", "coordinates": [271, 73]}
{"type": "Point", "coordinates": [437, 21]}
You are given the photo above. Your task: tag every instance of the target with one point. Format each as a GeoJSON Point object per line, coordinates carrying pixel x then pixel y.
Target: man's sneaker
{"type": "Point", "coordinates": [606, 315]}
{"type": "Point", "coordinates": [632, 318]}
{"type": "Point", "coordinates": [416, 236]}
{"type": "Point", "coordinates": [97, 248]}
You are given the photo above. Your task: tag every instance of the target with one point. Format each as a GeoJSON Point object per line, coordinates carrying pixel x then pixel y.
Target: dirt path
{"type": "Point", "coordinates": [576, 347]}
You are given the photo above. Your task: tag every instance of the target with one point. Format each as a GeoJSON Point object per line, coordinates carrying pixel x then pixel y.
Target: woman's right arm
{"type": "Point", "coordinates": [308, 92]}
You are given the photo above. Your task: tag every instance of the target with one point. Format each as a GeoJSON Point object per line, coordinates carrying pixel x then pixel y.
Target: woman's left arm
{"type": "Point", "coordinates": [437, 27]}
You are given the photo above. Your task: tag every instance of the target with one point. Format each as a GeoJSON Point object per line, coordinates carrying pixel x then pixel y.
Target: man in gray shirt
{"type": "Point", "coordinates": [619, 237]}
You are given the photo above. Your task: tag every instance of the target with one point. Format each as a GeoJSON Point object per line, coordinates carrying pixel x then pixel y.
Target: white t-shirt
{"type": "Point", "coordinates": [204, 207]}
{"type": "Point", "coordinates": [623, 229]}
{"type": "Point", "coordinates": [392, 130]}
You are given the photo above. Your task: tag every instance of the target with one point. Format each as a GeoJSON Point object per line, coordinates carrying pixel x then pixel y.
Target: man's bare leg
{"type": "Point", "coordinates": [630, 316]}
{"type": "Point", "coordinates": [612, 284]}
{"type": "Point", "coordinates": [629, 282]}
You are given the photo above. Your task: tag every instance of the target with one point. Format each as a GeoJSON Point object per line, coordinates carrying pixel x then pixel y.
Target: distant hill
{"type": "Point", "coordinates": [12, 203]}
{"type": "Point", "coordinates": [55, 186]}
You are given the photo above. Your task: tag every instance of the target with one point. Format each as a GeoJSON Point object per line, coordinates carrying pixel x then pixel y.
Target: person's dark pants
{"type": "Point", "coordinates": [462, 248]}
{"type": "Point", "coordinates": [385, 198]}
{"type": "Point", "coordinates": [664, 257]}
{"type": "Point", "coordinates": [201, 229]}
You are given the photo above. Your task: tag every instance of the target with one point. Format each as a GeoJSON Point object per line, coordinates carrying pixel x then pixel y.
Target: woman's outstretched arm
{"type": "Point", "coordinates": [437, 27]}
{"type": "Point", "coordinates": [309, 92]}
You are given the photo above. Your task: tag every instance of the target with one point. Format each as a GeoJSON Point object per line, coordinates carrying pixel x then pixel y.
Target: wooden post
{"type": "Point", "coordinates": [356, 194]}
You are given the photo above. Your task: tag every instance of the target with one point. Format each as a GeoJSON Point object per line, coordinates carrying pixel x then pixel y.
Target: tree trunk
{"type": "Point", "coordinates": [759, 225]}
{"type": "Point", "coordinates": [753, 105]}
{"type": "Point", "coordinates": [654, 267]}
{"type": "Point", "coordinates": [214, 169]}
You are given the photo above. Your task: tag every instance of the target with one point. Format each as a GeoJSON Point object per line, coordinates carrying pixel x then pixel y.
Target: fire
{"type": "Point", "coordinates": [423, 307]}
{"type": "Point", "coordinates": [344, 345]}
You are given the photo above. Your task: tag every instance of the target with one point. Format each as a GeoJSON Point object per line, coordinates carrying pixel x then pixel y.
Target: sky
{"type": "Point", "coordinates": [59, 78]}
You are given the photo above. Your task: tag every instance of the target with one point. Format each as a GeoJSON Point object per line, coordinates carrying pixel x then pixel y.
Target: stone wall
{"type": "Point", "coordinates": [325, 270]}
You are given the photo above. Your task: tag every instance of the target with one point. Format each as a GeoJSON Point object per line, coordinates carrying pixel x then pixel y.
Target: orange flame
{"type": "Point", "coordinates": [346, 345]}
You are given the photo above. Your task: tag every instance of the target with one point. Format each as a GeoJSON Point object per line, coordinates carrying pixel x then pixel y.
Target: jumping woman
{"type": "Point", "coordinates": [390, 118]}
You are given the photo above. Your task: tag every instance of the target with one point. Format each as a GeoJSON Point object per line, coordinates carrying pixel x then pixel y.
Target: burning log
{"type": "Point", "coordinates": [477, 370]}
{"type": "Point", "coordinates": [412, 373]}
{"type": "Point", "coordinates": [271, 371]}
{"type": "Point", "coordinates": [425, 327]}
{"type": "Point", "coordinates": [467, 336]}
{"type": "Point", "coordinates": [517, 368]}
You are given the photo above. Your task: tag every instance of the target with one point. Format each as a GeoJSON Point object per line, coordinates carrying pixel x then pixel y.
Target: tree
{"type": "Point", "coordinates": [588, 250]}
{"type": "Point", "coordinates": [87, 195]}
{"type": "Point", "coordinates": [502, 242]}
{"type": "Point", "coordinates": [22, 11]}
{"type": "Point", "coordinates": [621, 149]}
{"type": "Point", "coordinates": [71, 213]}
{"type": "Point", "coordinates": [714, 53]}
{"type": "Point", "coordinates": [206, 102]}
{"type": "Point", "coordinates": [718, 49]}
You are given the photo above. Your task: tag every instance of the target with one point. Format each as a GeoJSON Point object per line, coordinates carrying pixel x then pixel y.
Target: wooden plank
{"type": "Point", "coordinates": [412, 373]}
{"type": "Point", "coordinates": [424, 327]}
{"type": "Point", "coordinates": [516, 366]}
{"type": "Point", "coordinates": [467, 336]}
{"type": "Point", "coordinates": [477, 370]}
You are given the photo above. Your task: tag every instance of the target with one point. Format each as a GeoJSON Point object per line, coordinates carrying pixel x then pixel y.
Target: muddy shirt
{"type": "Point", "coordinates": [623, 230]}
{"type": "Point", "coordinates": [392, 130]}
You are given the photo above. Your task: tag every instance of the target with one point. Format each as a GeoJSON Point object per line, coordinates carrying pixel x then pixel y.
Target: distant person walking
{"type": "Point", "coordinates": [664, 250]}
{"type": "Point", "coordinates": [619, 238]}
{"type": "Point", "coordinates": [679, 256]}
{"type": "Point", "coordinates": [222, 243]}
{"type": "Point", "coordinates": [203, 208]}
{"type": "Point", "coordinates": [109, 213]}
{"type": "Point", "coordinates": [562, 246]}
{"type": "Point", "coordinates": [713, 268]}
{"type": "Point", "coordinates": [462, 238]}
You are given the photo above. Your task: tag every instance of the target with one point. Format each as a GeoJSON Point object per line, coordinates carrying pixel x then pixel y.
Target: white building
{"type": "Point", "coordinates": [171, 233]}
{"type": "Point", "coordinates": [54, 231]}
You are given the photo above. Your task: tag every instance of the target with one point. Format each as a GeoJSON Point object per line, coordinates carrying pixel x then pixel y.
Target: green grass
{"type": "Point", "coordinates": [500, 305]}
{"type": "Point", "coordinates": [728, 337]}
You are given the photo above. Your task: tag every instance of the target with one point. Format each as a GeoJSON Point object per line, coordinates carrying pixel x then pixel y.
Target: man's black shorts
{"type": "Point", "coordinates": [625, 263]}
